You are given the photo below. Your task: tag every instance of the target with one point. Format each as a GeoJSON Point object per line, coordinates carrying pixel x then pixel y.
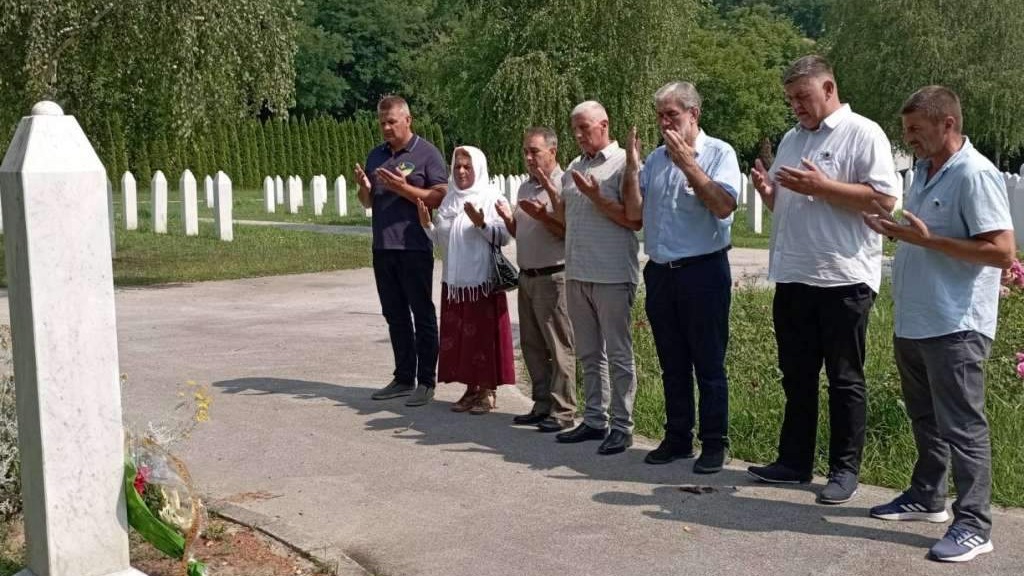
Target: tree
{"type": "Point", "coordinates": [884, 50]}
{"type": "Point", "coordinates": [166, 67]}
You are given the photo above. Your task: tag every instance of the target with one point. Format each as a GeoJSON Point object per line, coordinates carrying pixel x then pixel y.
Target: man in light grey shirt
{"type": "Point", "coordinates": [546, 336]}
{"type": "Point", "coordinates": [602, 272]}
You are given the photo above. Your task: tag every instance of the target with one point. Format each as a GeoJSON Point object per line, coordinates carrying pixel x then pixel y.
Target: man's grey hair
{"type": "Point", "coordinates": [550, 138]}
{"type": "Point", "coordinates": [683, 94]}
{"type": "Point", "coordinates": [391, 102]}
{"type": "Point", "coordinates": [937, 103]}
{"type": "Point", "coordinates": [811, 66]}
{"type": "Point", "coordinates": [591, 108]}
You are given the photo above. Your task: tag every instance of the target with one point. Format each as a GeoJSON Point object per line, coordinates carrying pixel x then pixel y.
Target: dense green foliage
{"type": "Point", "coordinates": [884, 50]}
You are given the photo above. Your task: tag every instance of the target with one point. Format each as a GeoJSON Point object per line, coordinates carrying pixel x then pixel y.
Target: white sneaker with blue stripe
{"type": "Point", "coordinates": [906, 508]}
{"type": "Point", "coordinates": [960, 544]}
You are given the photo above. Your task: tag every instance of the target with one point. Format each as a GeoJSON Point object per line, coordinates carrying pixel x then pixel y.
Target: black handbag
{"type": "Point", "coordinates": [504, 275]}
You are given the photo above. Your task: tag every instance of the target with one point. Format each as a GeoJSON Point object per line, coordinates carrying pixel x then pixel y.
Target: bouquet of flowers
{"type": "Point", "coordinates": [162, 503]}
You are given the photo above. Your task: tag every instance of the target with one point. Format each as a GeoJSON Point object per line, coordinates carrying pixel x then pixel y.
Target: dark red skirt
{"type": "Point", "coordinates": [476, 342]}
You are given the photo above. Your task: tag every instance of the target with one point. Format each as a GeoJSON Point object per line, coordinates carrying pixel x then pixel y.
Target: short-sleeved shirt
{"type": "Point", "coordinates": [936, 294]}
{"type": "Point", "coordinates": [597, 249]}
{"type": "Point", "coordinates": [814, 242]}
{"type": "Point", "coordinates": [536, 246]}
{"type": "Point", "coordinates": [677, 224]}
{"type": "Point", "coordinates": [396, 222]}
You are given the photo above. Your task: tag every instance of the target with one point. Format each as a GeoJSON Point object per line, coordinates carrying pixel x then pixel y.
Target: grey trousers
{"type": "Point", "coordinates": [546, 339]}
{"type": "Point", "coordinates": [601, 322]}
{"type": "Point", "coordinates": [944, 388]}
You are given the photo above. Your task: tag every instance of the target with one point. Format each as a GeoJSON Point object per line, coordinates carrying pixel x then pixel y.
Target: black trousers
{"type": "Point", "coordinates": [688, 308]}
{"type": "Point", "coordinates": [404, 284]}
{"type": "Point", "coordinates": [816, 325]}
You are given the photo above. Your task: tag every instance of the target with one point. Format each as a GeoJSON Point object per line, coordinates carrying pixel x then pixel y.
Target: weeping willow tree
{"type": "Point", "coordinates": [511, 64]}
{"type": "Point", "coordinates": [884, 50]}
{"type": "Point", "coordinates": [165, 68]}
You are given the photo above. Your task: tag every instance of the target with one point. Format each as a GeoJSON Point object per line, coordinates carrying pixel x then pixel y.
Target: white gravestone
{"type": "Point", "coordinates": [318, 187]}
{"type": "Point", "coordinates": [208, 186]}
{"type": "Point", "coordinates": [131, 201]}
{"type": "Point", "coordinates": [302, 200]}
{"type": "Point", "coordinates": [293, 195]}
{"type": "Point", "coordinates": [741, 193]}
{"type": "Point", "coordinates": [158, 189]}
{"type": "Point", "coordinates": [189, 203]}
{"type": "Point", "coordinates": [341, 196]}
{"type": "Point", "coordinates": [61, 298]}
{"type": "Point", "coordinates": [755, 216]}
{"type": "Point", "coordinates": [222, 200]}
{"type": "Point", "coordinates": [269, 199]}
{"type": "Point", "coordinates": [279, 190]}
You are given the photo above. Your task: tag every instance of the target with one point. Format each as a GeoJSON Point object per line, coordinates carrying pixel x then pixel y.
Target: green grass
{"type": "Point", "coordinates": [756, 397]}
{"type": "Point", "coordinates": [743, 234]}
{"type": "Point", "coordinates": [145, 258]}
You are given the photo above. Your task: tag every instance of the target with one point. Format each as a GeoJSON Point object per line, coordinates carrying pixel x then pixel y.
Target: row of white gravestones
{"type": "Point", "coordinates": [61, 298]}
{"type": "Point", "coordinates": [277, 191]}
{"type": "Point", "coordinates": [187, 187]}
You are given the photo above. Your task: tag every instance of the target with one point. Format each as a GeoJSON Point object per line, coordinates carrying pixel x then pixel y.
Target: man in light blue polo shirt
{"type": "Point", "coordinates": [686, 194]}
{"type": "Point", "coordinates": [957, 237]}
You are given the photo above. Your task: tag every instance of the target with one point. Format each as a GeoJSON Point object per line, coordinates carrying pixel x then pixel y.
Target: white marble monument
{"type": "Point", "coordinates": [269, 197]}
{"type": "Point", "coordinates": [189, 203]}
{"type": "Point", "coordinates": [341, 196]}
{"type": "Point", "coordinates": [279, 190]}
{"type": "Point", "coordinates": [222, 204]}
{"type": "Point", "coordinates": [158, 190]}
{"type": "Point", "coordinates": [61, 298]}
{"type": "Point", "coordinates": [208, 186]}
{"type": "Point", "coordinates": [755, 208]}
{"type": "Point", "coordinates": [131, 201]}
{"type": "Point", "coordinates": [293, 195]}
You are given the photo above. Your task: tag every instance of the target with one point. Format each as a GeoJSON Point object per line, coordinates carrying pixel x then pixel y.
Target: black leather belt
{"type": "Point", "coordinates": [688, 260]}
{"type": "Point", "coordinates": [542, 271]}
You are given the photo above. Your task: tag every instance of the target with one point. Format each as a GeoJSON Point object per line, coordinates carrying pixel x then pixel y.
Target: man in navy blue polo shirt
{"type": "Point", "coordinates": [404, 169]}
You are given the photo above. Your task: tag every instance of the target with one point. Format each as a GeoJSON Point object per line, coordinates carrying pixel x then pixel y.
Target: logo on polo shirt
{"type": "Point", "coordinates": [405, 167]}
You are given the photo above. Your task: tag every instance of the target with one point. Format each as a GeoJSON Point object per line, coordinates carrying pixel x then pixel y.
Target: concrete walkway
{"type": "Point", "coordinates": [296, 444]}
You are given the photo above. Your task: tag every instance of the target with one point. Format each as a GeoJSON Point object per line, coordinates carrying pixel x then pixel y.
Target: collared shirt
{"type": "Point", "coordinates": [814, 242]}
{"type": "Point", "coordinates": [597, 249]}
{"type": "Point", "coordinates": [396, 222]}
{"type": "Point", "coordinates": [677, 224]}
{"type": "Point", "coordinates": [536, 246]}
{"type": "Point", "coordinates": [936, 294]}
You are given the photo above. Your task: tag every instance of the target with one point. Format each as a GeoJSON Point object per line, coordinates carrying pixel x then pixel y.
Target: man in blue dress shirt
{"type": "Point", "coordinates": [957, 237]}
{"type": "Point", "coordinates": [685, 194]}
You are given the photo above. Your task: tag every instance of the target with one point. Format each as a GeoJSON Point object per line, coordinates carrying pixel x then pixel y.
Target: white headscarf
{"type": "Point", "coordinates": [468, 260]}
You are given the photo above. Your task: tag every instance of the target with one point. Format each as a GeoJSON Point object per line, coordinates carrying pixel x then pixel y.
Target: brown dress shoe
{"type": "Point", "coordinates": [466, 402]}
{"type": "Point", "coordinates": [486, 401]}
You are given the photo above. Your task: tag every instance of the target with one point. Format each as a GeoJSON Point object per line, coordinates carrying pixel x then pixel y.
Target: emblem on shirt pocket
{"type": "Point", "coordinates": [405, 167]}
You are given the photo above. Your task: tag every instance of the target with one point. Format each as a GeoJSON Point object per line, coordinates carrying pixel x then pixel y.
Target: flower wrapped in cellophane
{"type": "Point", "coordinates": [163, 506]}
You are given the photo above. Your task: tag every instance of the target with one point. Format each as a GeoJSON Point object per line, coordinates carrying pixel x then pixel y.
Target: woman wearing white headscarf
{"type": "Point", "coordinates": [476, 333]}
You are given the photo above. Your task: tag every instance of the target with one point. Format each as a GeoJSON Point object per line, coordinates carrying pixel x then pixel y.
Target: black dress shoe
{"type": "Point", "coordinates": [550, 424]}
{"type": "Point", "coordinates": [668, 451]}
{"type": "Point", "coordinates": [617, 441]}
{"type": "Point", "coordinates": [530, 418]}
{"type": "Point", "coordinates": [581, 433]}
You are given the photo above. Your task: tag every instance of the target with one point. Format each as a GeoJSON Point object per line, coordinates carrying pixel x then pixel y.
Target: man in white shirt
{"type": "Point", "coordinates": [827, 267]}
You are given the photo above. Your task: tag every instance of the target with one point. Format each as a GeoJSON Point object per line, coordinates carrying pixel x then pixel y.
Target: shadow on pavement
{"type": "Point", "coordinates": [724, 500]}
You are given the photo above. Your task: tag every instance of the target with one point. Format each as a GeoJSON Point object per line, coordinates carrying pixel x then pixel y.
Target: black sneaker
{"type": "Point", "coordinates": [776, 473]}
{"type": "Point", "coordinates": [711, 460]}
{"type": "Point", "coordinates": [841, 488]}
{"type": "Point", "coordinates": [669, 450]}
